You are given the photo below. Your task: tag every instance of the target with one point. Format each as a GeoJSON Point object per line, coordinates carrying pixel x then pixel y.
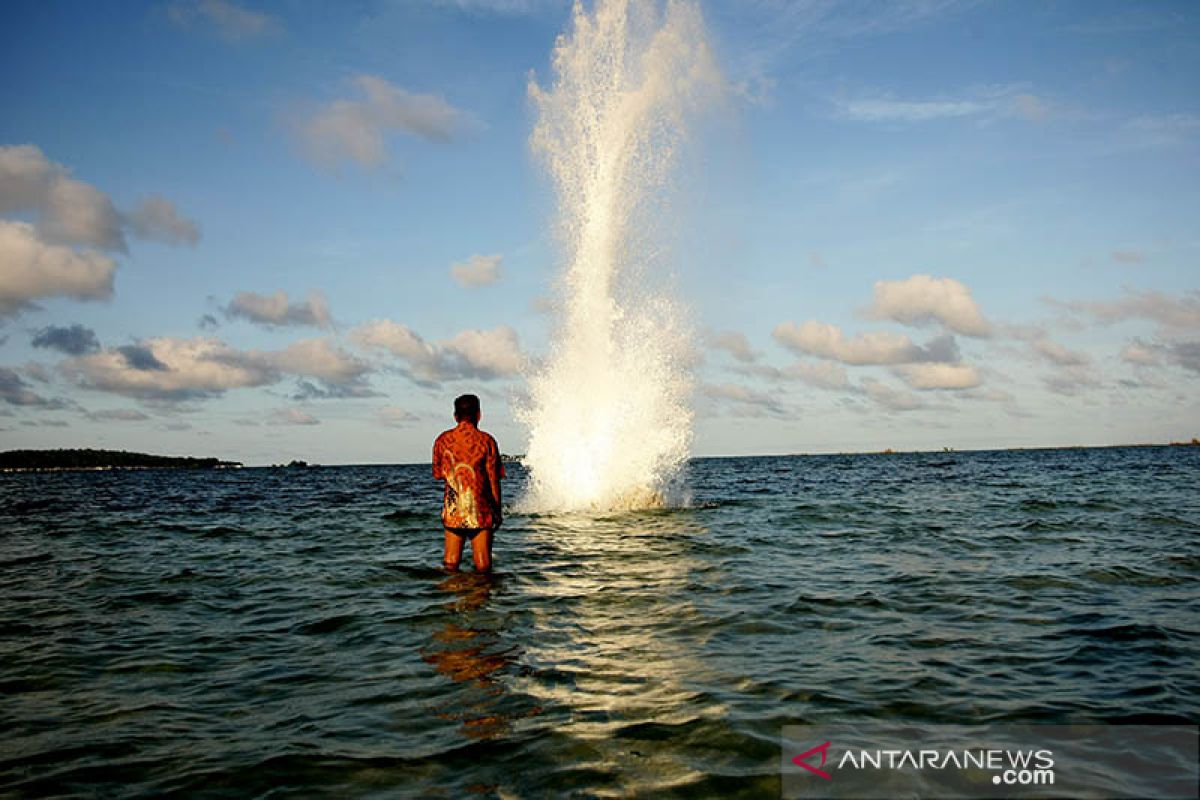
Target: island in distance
{"type": "Point", "coordinates": [47, 460]}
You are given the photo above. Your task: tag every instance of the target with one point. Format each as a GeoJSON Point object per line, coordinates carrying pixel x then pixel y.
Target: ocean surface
{"type": "Point", "coordinates": [288, 633]}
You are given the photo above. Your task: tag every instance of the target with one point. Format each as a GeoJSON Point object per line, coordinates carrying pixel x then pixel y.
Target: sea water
{"type": "Point", "coordinates": [286, 631]}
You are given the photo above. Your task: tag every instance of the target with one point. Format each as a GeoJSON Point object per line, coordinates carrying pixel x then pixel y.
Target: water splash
{"type": "Point", "coordinates": [609, 418]}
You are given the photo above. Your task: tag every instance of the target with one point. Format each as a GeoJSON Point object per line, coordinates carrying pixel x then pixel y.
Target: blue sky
{"type": "Point", "coordinates": [911, 224]}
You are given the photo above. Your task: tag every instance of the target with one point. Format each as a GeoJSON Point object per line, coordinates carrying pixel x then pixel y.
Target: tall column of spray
{"type": "Point", "coordinates": [609, 416]}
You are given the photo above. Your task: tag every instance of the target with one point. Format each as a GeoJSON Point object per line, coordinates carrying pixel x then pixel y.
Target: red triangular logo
{"type": "Point", "coordinates": [801, 760]}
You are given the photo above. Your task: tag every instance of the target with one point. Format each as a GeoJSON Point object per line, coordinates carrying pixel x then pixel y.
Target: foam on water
{"type": "Point", "coordinates": [609, 414]}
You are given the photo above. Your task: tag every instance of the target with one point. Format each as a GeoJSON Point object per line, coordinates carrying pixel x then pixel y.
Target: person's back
{"type": "Point", "coordinates": [468, 460]}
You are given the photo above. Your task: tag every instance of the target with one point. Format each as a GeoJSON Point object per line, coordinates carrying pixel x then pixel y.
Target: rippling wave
{"type": "Point", "coordinates": [289, 631]}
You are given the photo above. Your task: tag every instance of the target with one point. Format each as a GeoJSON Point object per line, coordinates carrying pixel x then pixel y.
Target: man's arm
{"type": "Point", "coordinates": [495, 470]}
{"type": "Point", "coordinates": [437, 459]}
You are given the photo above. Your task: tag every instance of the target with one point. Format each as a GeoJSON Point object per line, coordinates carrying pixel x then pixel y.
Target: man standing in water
{"type": "Point", "coordinates": [468, 460]}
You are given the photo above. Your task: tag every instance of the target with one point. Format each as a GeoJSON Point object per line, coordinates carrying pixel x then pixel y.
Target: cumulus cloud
{"type": "Point", "coordinates": [38, 372]}
{"type": "Point", "coordinates": [494, 353]}
{"type": "Point", "coordinates": [480, 354]}
{"type": "Point", "coordinates": [1128, 256]}
{"type": "Point", "coordinates": [890, 398]}
{"type": "Point", "coordinates": [320, 359]}
{"type": "Point", "coordinates": [395, 417]}
{"type": "Point", "coordinates": [939, 376]}
{"type": "Point", "coordinates": [1058, 354]}
{"type": "Point", "coordinates": [31, 269]}
{"type": "Point", "coordinates": [1071, 380]}
{"type": "Point", "coordinates": [356, 129]}
{"type": "Point", "coordinates": [923, 298]}
{"type": "Point", "coordinates": [15, 392]}
{"type": "Point", "coordinates": [275, 310]}
{"type": "Point", "coordinates": [178, 369]}
{"type": "Point", "coordinates": [157, 218]}
{"type": "Point", "coordinates": [732, 342]}
{"type": "Point", "coordinates": [117, 415]}
{"type": "Point", "coordinates": [819, 374]}
{"type": "Point", "coordinates": [1141, 354]}
{"type": "Point", "coordinates": [74, 340]}
{"type": "Point", "coordinates": [477, 271]}
{"type": "Point", "coordinates": [171, 369]}
{"type": "Point", "coordinates": [44, 259]}
{"type": "Point", "coordinates": [1184, 354]}
{"type": "Point", "coordinates": [141, 358]}
{"type": "Point", "coordinates": [749, 401]}
{"type": "Point", "coordinates": [229, 20]}
{"type": "Point", "coordinates": [873, 348]}
{"type": "Point", "coordinates": [68, 211]}
{"type": "Point", "coordinates": [293, 416]}
{"type": "Point", "coordinates": [1173, 315]}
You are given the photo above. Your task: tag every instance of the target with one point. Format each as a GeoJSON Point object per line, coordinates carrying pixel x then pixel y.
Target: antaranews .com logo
{"type": "Point", "coordinates": [1002, 761]}
{"type": "Point", "coordinates": [1022, 767]}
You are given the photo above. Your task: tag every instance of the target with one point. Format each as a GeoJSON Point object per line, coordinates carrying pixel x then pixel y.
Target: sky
{"type": "Point", "coordinates": [265, 231]}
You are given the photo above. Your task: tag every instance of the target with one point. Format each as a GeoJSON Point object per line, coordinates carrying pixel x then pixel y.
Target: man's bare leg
{"type": "Point", "coordinates": [481, 550]}
{"type": "Point", "coordinates": [454, 548]}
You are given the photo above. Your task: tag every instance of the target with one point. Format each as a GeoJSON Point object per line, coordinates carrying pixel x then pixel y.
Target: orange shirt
{"type": "Point", "coordinates": [468, 460]}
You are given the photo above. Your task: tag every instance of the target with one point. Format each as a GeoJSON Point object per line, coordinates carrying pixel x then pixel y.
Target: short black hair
{"type": "Point", "coordinates": [466, 407]}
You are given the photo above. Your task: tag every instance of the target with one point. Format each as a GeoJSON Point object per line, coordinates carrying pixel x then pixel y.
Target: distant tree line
{"type": "Point", "coordinates": [103, 459]}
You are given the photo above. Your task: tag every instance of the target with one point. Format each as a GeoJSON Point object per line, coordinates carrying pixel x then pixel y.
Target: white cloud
{"type": "Point", "coordinates": [1071, 380]}
{"type": "Point", "coordinates": [172, 369]}
{"type": "Point", "coordinates": [890, 398]}
{"type": "Point", "coordinates": [356, 129]}
{"type": "Point", "coordinates": [320, 359]}
{"type": "Point", "coordinates": [492, 353]}
{"type": "Point", "coordinates": [68, 211]}
{"type": "Point", "coordinates": [14, 391]}
{"type": "Point", "coordinates": [732, 342]}
{"type": "Point", "coordinates": [1174, 315]}
{"type": "Point", "coordinates": [821, 374]}
{"type": "Point", "coordinates": [1142, 354]}
{"type": "Point", "coordinates": [395, 417]}
{"type": "Point", "coordinates": [31, 269]}
{"type": "Point", "coordinates": [986, 102]}
{"type": "Point", "coordinates": [890, 109]}
{"type": "Point", "coordinates": [189, 368]}
{"type": "Point", "coordinates": [751, 402]}
{"type": "Point", "coordinates": [482, 354]}
{"type": "Point", "coordinates": [1128, 256]}
{"type": "Point", "coordinates": [477, 270]}
{"type": "Point", "coordinates": [1058, 354]}
{"type": "Point", "coordinates": [402, 342]}
{"type": "Point", "coordinates": [924, 298]}
{"type": "Point", "coordinates": [157, 218]}
{"type": "Point", "coordinates": [118, 415]}
{"type": "Point", "coordinates": [274, 310]}
{"type": "Point", "coordinates": [292, 416]}
{"type": "Point", "coordinates": [878, 347]}
{"type": "Point", "coordinates": [939, 376]}
{"type": "Point", "coordinates": [231, 21]}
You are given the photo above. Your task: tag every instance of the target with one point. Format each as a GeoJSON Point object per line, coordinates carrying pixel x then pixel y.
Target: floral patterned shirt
{"type": "Point", "coordinates": [468, 460]}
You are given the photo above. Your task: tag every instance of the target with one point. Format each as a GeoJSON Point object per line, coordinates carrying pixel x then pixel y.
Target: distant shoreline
{"type": "Point", "coordinates": [118, 460]}
{"type": "Point", "coordinates": [91, 460]}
